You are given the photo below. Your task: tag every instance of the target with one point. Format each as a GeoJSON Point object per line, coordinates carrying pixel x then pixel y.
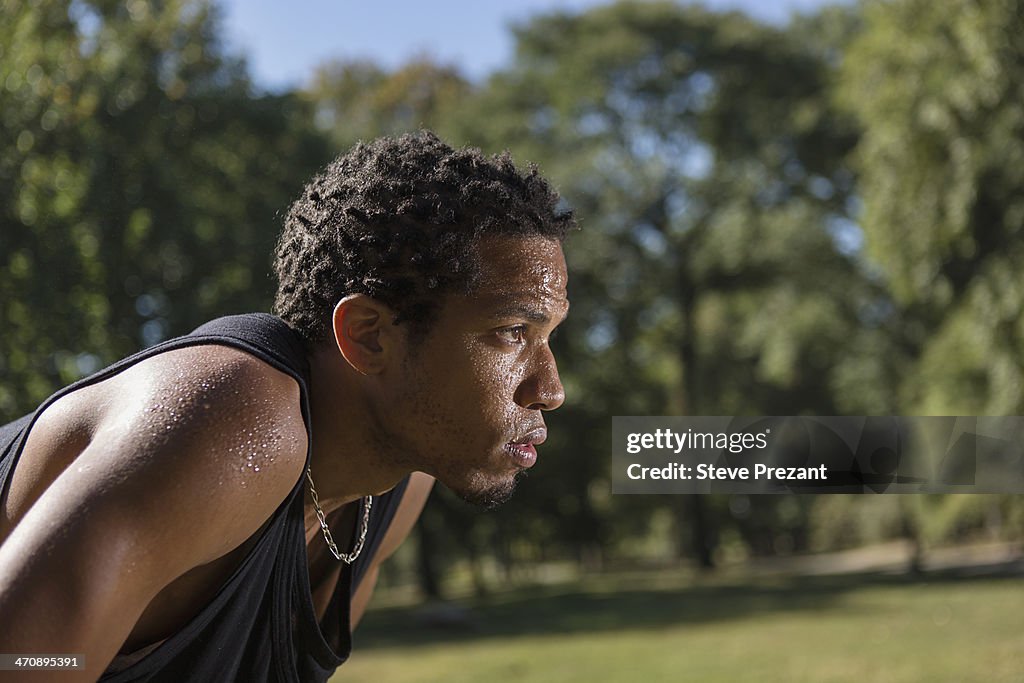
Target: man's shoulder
{"type": "Point", "coordinates": [211, 435]}
{"type": "Point", "coordinates": [205, 402]}
{"type": "Point", "coordinates": [203, 379]}
{"type": "Point", "coordinates": [208, 396]}
{"type": "Point", "coordinates": [186, 456]}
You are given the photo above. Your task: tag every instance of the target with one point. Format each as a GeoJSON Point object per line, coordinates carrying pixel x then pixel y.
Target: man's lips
{"type": "Point", "coordinates": [523, 449]}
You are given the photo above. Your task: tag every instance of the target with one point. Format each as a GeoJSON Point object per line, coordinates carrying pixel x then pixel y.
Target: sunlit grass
{"type": "Point", "coordinates": [659, 628]}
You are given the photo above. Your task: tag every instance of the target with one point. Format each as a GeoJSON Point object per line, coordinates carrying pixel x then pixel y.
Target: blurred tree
{"type": "Point", "coordinates": [358, 100]}
{"type": "Point", "coordinates": [938, 90]}
{"type": "Point", "coordinates": [721, 271]}
{"type": "Point", "coordinates": [41, 190]}
{"type": "Point", "coordinates": [141, 177]}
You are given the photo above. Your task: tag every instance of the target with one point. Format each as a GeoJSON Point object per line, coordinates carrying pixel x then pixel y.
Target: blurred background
{"type": "Point", "coordinates": [790, 208]}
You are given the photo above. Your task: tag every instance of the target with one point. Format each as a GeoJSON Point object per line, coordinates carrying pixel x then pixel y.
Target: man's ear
{"type": "Point", "coordinates": [363, 332]}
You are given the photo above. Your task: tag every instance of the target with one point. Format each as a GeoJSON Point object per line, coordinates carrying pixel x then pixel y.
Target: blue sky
{"type": "Point", "coordinates": [285, 40]}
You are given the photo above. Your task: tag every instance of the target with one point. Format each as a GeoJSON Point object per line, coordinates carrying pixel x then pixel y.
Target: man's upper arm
{"type": "Point", "coordinates": [413, 500]}
{"type": "Point", "coordinates": [199, 448]}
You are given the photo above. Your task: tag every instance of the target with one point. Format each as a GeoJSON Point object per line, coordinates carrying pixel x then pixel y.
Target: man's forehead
{"type": "Point", "coordinates": [517, 261]}
{"type": "Point", "coordinates": [522, 277]}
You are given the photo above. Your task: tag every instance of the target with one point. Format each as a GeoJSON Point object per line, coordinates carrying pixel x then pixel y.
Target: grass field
{"type": "Point", "coordinates": [662, 627]}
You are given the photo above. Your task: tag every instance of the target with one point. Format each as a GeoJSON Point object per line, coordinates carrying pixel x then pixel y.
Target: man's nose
{"type": "Point", "coordinates": [542, 389]}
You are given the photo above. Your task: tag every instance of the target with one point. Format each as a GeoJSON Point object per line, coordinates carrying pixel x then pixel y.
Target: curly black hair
{"type": "Point", "coordinates": [398, 219]}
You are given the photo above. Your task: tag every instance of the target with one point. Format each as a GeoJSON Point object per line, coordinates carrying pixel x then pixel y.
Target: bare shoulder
{"type": "Point", "coordinates": [208, 435]}
{"type": "Point", "coordinates": [184, 456]}
{"type": "Point", "coordinates": [201, 444]}
{"type": "Point", "coordinates": [201, 419]}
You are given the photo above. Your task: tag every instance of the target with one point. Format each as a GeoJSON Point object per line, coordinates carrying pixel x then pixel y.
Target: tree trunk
{"type": "Point", "coordinates": [693, 507]}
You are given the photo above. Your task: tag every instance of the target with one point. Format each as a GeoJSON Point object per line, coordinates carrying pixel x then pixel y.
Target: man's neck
{"type": "Point", "coordinates": [348, 460]}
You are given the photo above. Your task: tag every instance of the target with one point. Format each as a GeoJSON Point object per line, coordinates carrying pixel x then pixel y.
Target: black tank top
{"type": "Point", "coordinates": [261, 626]}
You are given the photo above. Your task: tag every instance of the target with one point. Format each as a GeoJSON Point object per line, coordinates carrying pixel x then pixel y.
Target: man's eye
{"type": "Point", "coordinates": [513, 335]}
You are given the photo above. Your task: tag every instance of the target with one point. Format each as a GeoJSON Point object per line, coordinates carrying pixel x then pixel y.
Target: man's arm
{"type": "Point", "coordinates": [408, 512]}
{"type": "Point", "coordinates": [195, 452]}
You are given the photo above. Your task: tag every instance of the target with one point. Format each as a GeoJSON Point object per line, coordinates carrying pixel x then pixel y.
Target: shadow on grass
{"type": "Point", "coordinates": [604, 604]}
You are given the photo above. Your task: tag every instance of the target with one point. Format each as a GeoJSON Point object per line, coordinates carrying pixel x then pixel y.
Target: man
{"type": "Point", "coordinates": [216, 507]}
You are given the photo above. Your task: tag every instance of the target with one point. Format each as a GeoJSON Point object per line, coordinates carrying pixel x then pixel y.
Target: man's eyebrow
{"type": "Point", "coordinates": [524, 311]}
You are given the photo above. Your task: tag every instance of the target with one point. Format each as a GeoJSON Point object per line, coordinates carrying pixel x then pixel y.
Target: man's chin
{"type": "Point", "coordinates": [491, 494]}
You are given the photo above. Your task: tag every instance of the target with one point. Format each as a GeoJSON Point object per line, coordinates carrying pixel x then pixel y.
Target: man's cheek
{"type": "Point", "coordinates": [501, 376]}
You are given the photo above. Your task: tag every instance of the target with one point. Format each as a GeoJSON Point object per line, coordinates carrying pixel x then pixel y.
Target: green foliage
{"type": "Point", "coordinates": [720, 268]}
{"type": "Point", "coordinates": [938, 91]}
{"type": "Point", "coordinates": [709, 165]}
{"type": "Point", "coordinates": [360, 101]}
{"type": "Point", "coordinates": [141, 178]}
{"type": "Point", "coordinates": [839, 522]}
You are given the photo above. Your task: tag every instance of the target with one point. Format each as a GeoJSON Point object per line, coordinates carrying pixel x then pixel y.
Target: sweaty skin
{"type": "Point", "coordinates": [133, 501]}
{"type": "Point", "coordinates": [201, 445]}
{"type": "Point", "coordinates": [452, 403]}
{"type": "Point", "coordinates": [492, 374]}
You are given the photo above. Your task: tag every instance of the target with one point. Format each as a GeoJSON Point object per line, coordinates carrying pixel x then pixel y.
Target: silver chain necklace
{"type": "Point", "coordinates": [363, 528]}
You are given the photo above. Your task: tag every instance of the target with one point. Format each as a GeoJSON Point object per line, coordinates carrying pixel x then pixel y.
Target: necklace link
{"type": "Point", "coordinates": [347, 558]}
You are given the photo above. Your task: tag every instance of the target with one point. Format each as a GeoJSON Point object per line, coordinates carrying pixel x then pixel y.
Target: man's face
{"type": "Point", "coordinates": [470, 394]}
